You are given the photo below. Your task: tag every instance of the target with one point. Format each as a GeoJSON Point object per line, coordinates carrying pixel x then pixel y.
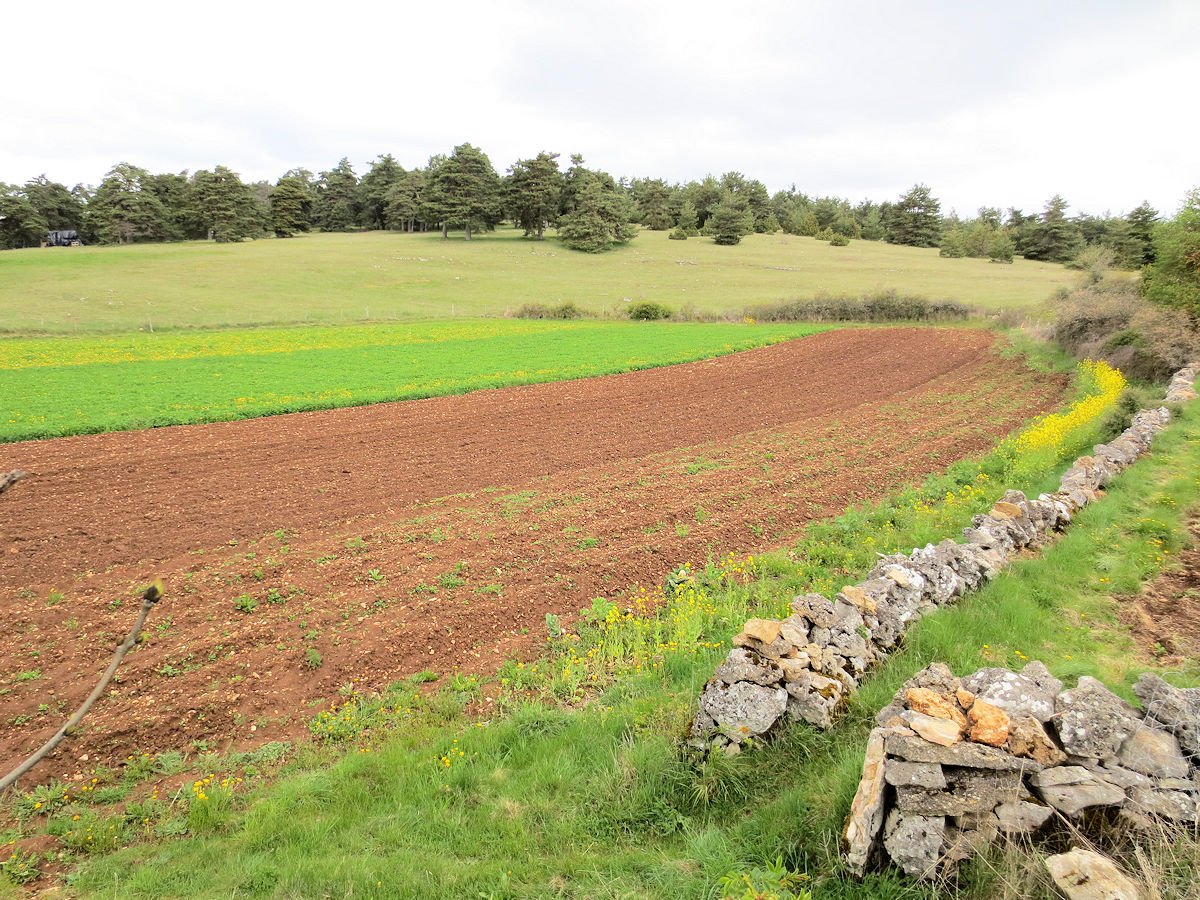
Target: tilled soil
{"type": "Point", "coordinates": [1165, 616]}
{"type": "Point", "coordinates": [439, 533]}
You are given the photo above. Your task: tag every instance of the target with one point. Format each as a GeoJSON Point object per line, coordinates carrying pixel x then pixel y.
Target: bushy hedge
{"type": "Point", "coordinates": [880, 306]}
{"type": "Point", "coordinates": [566, 310]}
{"type": "Point", "coordinates": [647, 311]}
{"type": "Point", "coordinates": [1111, 320]}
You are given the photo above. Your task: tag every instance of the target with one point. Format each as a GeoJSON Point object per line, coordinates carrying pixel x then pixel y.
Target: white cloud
{"type": "Point", "coordinates": [999, 105]}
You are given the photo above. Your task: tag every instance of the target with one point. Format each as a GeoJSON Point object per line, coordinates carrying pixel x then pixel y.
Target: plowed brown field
{"type": "Point", "coordinates": [438, 533]}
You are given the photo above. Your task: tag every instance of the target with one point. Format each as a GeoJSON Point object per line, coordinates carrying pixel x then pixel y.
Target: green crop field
{"type": "Point", "coordinates": [333, 278]}
{"type": "Point", "coordinates": [74, 385]}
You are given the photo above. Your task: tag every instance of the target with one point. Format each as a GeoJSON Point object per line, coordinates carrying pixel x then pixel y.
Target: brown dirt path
{"type": "Point", "coordinates": [439, 533]}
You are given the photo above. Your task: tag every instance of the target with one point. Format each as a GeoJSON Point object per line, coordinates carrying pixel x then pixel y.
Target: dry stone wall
{"type": "Point", "coordinates": [803, 668]}
{"type": "Point", "coordinates": [958, 763]}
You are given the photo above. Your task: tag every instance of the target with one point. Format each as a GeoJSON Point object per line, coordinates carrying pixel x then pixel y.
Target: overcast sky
{"type": "Point", "coordinates": [1000, 104]}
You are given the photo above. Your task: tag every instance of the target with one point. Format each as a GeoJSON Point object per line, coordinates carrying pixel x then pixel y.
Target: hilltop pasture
{"type": "Point", "coordinates": [340, 278]}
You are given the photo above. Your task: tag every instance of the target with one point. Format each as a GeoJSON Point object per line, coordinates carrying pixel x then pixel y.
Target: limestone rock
{"type": "Point", "coordinates": [814, 608]}
{"type": "Point", "coordinates": [1084, 875]}
{"type": "Point", "coordinates": [1029, 739]}
{"type": "Point", "coordinates": [857, 597]}
{"type": "Point", "coordinates": [794, 630]}
{"type": "Point", "coordinates": [1175, 709]}
{"type": "Point", "coordinates": [971, 791]}
{"type": "Point", "coordinates": [1153, 752]}
{"type": "Point", "coordinates": [1092, 721]}
{"type": "Point", "coordinates": [936, 731]}
{"type": "Point", "coordinates": [1022, 817]}
{"type": "Point", "coordinates": [914, 843]}
{"type": "Point", "coordinates": [1017, 695]}
{"type": "Point", "coordinates": [1175, 806]}
{"type": "Point", "coordinates": [795, 667]}
{"type": "Point", "coordinates": [1035, 670]}
{"type": "Point", "coordinates": [762, 630]}
{"type": "Point", "coordinates": [964, 754]}
{"type": "Point", "coordinates": [743, 710]}
{"type": "Point", "coordinates": [1072, 789]}
{"type": "Point", "coordinates": [866, 810]}
{"type": "Point", "coordinates": [931, 703]}
{"type": "Point", "coordinates": [906, 774]}
{"type": "Point", "coordinates": [989, 724]}
{"type": "Point", "coordinates": [743, 665]}
{"type": "Point", "coordinates": [964, 697]}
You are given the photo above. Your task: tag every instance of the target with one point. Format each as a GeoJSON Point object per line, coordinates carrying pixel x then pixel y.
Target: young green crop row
{"type": "Point", "coordinates": [64, 386]}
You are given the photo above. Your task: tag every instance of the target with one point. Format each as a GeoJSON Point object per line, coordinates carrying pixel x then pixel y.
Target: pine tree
{"type": "Point", "coordinates": [21, 225]}
{"type": "Point", "coordinates": [1173, 279]}
{"type": "Point", "coordinates": [291, 204]}
{"type": "Point", "coordinates": [124, 209]}
{"type": "Point", "coordinates": [914, 220]}
{"type": "Point", "coordinates": [1054, 237]}
{"type": "Point", "coordinates": [687, 219]}
{"type": "Point", "coordinates": [600, 218]}
{"type": "Point", "coordinates": [731, 220]}
{"type": "Point", "coordinates": [404, 201]}
{"type": "Point", "coordinates": [336, 206]}
{"type": "Point", "coordinates": [225, 205]}
{"type": "Point", "coordinates": [466, 190]}
{"type": "Point", "coordinates": [1141, 226]}
{"type": "Point", "coordinates": [374, 189]}
{"type": "Point", "coordinates": [533, 191]}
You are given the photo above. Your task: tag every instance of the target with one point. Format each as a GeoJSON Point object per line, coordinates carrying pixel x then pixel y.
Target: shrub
{"type": "Point", "coordinates": [1110, 320]}
{"type": "Point", "coordinates": [880, 306]}
{"type": "Point", "coordinates": [646, 311]}
{"type": "Point", "coordinates": [566, 310]}
{"type": "Point", "coordinates": [678, 234]}
{"type": "Point", "coordinates": [839, 240]}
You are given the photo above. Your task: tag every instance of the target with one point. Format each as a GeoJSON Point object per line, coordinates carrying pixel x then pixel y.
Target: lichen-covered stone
{"type": "Point", "coordinates": [1176, 709]}
{"type": "Point", "coordinates": [866, 810]}
{"type": "Point", "coordinates": [743, 665]}
{"type": "Point", "coordinates": [1072, 789]}
{"type": "Point", "coordinates": [914, 843]}
{"type": "Point", "coordinates": [1016, 694]}
{"type": "Point", "coordinates": [1092, 721]}
{"type": "Point", "coordinates": [743, 710]}
{"type": "Point", "coordinates": [965, 754]}
{"type": "Point", "coordinates": [1153, 752]}
{"type": "Point", "coordinates": [1022, 817]}
{"type": "Point", "coordinates": [1027, 738]}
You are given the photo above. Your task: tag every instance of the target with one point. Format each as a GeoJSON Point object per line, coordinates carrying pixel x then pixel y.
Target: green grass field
{"type": "Point", "coordinates": [334, 278]}
{"type": "Point", "coordinates": [74, 385]}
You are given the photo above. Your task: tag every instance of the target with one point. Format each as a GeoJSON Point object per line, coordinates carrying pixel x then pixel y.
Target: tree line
{"type": "Point", "coordinates": [589, 208]}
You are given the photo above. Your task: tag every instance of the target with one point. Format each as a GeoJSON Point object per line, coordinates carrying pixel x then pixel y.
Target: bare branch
{"type": "Point", "coordinates": [149, 599]}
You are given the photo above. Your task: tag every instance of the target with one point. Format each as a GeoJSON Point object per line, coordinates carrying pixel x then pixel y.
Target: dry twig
{"type": "Point", "coordinates": [149, 599]}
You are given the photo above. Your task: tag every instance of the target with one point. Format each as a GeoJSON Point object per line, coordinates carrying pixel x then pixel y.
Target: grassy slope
{"type": "Point", "coordinates": [348, 277]}
{"type": "Point", "coordinates": [599, 803]}
{"type": "Point", "coordinates": [57, 386]}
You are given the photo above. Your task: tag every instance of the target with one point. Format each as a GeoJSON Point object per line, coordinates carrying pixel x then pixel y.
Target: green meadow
{"type": "Point", "coordinates": [339, 278]}
{"type": "Point", "coordinates": [75, 385]}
